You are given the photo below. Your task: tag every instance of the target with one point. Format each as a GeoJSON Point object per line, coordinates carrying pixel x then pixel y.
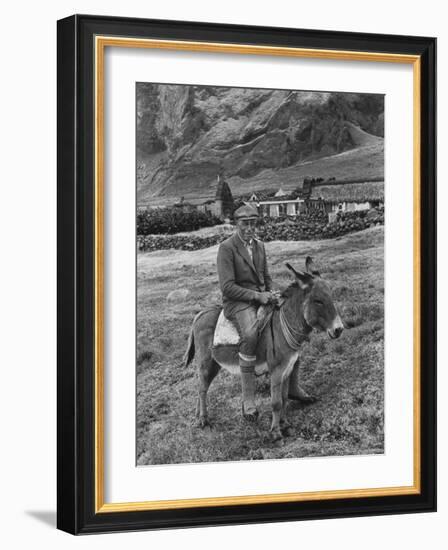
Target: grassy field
{"type": "Point", "coordinates": [346, 375]}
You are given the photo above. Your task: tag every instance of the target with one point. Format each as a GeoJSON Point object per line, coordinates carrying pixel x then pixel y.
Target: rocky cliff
{"type": "Point", "coordinates": [187, 135]}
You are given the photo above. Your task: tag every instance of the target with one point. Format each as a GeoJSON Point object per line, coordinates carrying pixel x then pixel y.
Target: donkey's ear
{"type": "Point", "coordinates": [304, 279]}
{"type": "Point", "coordinates": [310, 267]}
{"type": "Point", "coordinates": [289, 266]}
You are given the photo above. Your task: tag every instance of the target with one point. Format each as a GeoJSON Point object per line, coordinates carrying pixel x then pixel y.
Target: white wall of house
{"type": "Point", "coordinates": [349, 206]}
{"type": "Point", "coordinates": [291, 209]}
{"type": "Point", "coordinates": [274, 211]}
{"type": "Point", "coordinates": [363, 206]}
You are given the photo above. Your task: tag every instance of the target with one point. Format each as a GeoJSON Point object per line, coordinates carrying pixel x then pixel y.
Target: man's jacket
{"type": "Point", "coordinates": [240, 278]}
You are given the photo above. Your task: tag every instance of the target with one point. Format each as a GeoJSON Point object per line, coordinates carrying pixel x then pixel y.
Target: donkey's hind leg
{"type": "Point", "coordinates": [208, 369]}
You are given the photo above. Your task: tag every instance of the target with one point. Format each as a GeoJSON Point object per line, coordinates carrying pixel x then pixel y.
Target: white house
{"type": "Point", "coordinates": [276, 208]}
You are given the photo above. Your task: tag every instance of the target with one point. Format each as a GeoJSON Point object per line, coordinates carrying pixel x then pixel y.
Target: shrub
{"type": "Point", "coordinates": [172, 220]}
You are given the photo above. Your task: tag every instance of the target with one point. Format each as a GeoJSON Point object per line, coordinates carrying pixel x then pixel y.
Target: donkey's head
{"type": "Point", "coordinates": [319, 309]}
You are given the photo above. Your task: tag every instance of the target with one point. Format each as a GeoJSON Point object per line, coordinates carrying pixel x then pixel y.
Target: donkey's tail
{"type": "Point", "coordinates": [189, 353]}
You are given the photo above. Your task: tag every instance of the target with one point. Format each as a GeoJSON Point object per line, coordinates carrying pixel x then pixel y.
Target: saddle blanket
{"type": "Point", "coordinates": [226, 333]}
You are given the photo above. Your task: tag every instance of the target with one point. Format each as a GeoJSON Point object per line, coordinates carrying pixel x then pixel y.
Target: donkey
{"type": "Point", "coordinates": [306, 304]}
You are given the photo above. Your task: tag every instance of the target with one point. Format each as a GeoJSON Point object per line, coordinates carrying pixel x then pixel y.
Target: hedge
{"type": "Point", "coordinates": [171, 220]}
{"type": "Point", "coordinates": [306, 227]}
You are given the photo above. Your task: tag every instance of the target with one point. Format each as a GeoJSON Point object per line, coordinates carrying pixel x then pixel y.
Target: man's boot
{"type": "Point", "coordinates": [249, 408]}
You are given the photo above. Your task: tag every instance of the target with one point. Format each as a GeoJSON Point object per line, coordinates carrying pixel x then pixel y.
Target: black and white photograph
{"type": "Point", "coordinates": [260, 273]}
{"type": "Point", "coordinates": [222, 238]}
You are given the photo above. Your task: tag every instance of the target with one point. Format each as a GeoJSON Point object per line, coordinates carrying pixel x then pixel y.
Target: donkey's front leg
{"type": "Point", "coordinates": [285, 426]}
{"type": "Point", "coordinates": [277, 403]}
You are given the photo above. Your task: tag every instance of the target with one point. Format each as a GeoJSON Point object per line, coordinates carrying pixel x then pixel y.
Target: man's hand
{"type": "Point", "coordinates": [275, 296]}
{"type": "Point", "coordinates": [264, 298]}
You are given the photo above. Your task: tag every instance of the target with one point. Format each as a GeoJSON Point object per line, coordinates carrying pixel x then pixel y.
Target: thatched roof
{"type": "Point", "coordinates": [280, 193]}
{"type": "Point", "coordinates": [357, 192]}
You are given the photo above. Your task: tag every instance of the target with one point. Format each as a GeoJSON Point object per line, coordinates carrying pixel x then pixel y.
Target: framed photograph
{"type": "Point", "coordinates": [246, 274]}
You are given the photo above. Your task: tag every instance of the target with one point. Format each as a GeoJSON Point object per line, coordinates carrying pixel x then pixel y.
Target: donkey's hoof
{"type": "Point", "coordinates": [276, 436]}
{"type": "Point", "coordinates": [204, 422]}
{"type": "Point", "coordinates": [303, 398]}
{"type": "Point", "coordinates": [287, 430]}
{"type": "Point", "coordinates": [251, 416]}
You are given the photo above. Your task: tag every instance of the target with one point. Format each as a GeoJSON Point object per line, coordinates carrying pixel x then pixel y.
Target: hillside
{"type": "Point", "coordinates": [187, 135]}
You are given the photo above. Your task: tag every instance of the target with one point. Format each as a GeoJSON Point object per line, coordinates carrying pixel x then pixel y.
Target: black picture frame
{"type": "Point", "coordinates": [76, 511]}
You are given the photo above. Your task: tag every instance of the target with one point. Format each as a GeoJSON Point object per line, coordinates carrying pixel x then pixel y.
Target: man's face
{"type": "Point", "coordinates": [246, 228]}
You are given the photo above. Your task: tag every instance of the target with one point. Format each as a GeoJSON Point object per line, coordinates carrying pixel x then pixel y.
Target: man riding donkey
{"type": "Point", "coordinates": [245, 285]}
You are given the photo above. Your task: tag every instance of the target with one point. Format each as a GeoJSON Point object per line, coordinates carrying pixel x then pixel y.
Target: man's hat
{"type": "Point", "coordinates": [245, 212]}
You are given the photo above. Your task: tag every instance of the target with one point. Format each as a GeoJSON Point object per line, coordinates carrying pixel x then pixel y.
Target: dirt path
{"type": "Point", "coordinates": [163, 259]}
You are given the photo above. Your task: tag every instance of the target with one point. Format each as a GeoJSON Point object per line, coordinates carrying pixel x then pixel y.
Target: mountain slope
{"type": "Point", "coordinates": [186, 135]}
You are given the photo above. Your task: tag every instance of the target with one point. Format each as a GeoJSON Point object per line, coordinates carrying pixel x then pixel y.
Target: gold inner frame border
{"type": "Point", "coordinates": [101, 42]}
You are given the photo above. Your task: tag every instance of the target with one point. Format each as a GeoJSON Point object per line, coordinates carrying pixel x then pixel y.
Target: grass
{"type": "Point", "coordinates": [346, 375]}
